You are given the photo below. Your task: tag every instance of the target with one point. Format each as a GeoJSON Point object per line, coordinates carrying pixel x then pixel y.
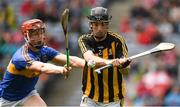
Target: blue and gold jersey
{"type": "Point", "coordinates": [19, 81]}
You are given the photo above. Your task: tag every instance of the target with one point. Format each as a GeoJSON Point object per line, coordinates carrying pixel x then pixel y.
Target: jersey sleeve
{"type": "Point", "coordinates": [121, 48]}
{"type": "Point", "coordinates": [21, 63]}
{"type": "Point", "coordinates": [51, 53]}
{"type": "Point", "coordinates": [83, 44]}
{"type": "Point", "coordinates": [122, 51]}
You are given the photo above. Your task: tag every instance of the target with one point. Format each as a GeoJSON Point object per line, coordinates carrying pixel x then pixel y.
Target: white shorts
{"type": "Point", "coordinates": [4, 102]}
{"type": "Point", "coordinates": [88, 102]}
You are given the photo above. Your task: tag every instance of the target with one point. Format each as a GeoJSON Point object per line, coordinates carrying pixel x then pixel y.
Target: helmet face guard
{"type": "Point", "coordinates": [35, 41]}
{"type": "Point", "coordinates": [34, 32]}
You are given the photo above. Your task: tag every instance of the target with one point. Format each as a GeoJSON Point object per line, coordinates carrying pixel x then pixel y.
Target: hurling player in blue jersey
{"type": "Point", "coordinates": [21, 76]}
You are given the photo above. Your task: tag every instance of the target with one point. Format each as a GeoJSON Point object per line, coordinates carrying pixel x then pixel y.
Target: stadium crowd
{"type": "Point", "coordinates": [156, 79]}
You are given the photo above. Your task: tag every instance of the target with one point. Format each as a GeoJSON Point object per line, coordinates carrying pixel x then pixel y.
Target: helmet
{"type": "Point", "coordinates": [99, 14]}
{"type": "Point", "coordinates": [32, 24]}
{"type": "Point", "coordinates": [31, 29]}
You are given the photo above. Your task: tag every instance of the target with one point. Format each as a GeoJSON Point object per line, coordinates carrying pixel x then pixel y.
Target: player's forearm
{"type": "Point", "coordinates": [77, 62]}
{"type": "Point", "coordinates": [51, 69]}
{"type": "Point", "coordinates": [98, 61]}
{"type": "Point", "coordinates": [45, 68]}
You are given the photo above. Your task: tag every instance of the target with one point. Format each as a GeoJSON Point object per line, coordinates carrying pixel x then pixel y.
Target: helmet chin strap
{"type": "Point", "coordinates": [28, 42]}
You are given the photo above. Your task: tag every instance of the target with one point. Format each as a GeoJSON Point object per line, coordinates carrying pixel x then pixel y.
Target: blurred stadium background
{"type": "Point", "coordinates": [153, 80]}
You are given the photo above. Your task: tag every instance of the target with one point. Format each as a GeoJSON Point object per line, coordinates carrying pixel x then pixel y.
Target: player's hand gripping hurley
{"type": "Point", "coordinates": [160, 47]}
{"type": "Point", "coordinates": [64, 22]}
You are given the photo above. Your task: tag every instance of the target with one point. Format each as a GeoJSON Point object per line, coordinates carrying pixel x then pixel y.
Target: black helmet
{"type": "Point", "coordinates": [99, 14]}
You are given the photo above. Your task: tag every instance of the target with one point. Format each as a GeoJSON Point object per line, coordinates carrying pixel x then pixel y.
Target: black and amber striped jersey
{"type": "Point", "coordinates": [107, 86]}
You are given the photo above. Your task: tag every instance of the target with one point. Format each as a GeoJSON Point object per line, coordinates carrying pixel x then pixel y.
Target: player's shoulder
{"type": "Point", "coordinates": [19, 54]}
{"type": "Point", "coordinates": [116, 36]}
{"type": "Point", "coordinates": [84, 38]}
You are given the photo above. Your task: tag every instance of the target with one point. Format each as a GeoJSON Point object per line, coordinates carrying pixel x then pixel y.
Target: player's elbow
{"type": "Point", "coordinates": [125, 71]}
{"type": "Point", "coordinates": [88, 55]}
{"type": "Point", "coordinates": [36, 66]}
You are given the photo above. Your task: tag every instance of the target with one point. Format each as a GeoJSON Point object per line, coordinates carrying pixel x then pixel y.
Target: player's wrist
{"type": "Point", "coordinates": [91, 63]}
{"type": "Point", "coordinates": [107, 62]}
{"type": "Point", "coordinates": [125, 64]}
